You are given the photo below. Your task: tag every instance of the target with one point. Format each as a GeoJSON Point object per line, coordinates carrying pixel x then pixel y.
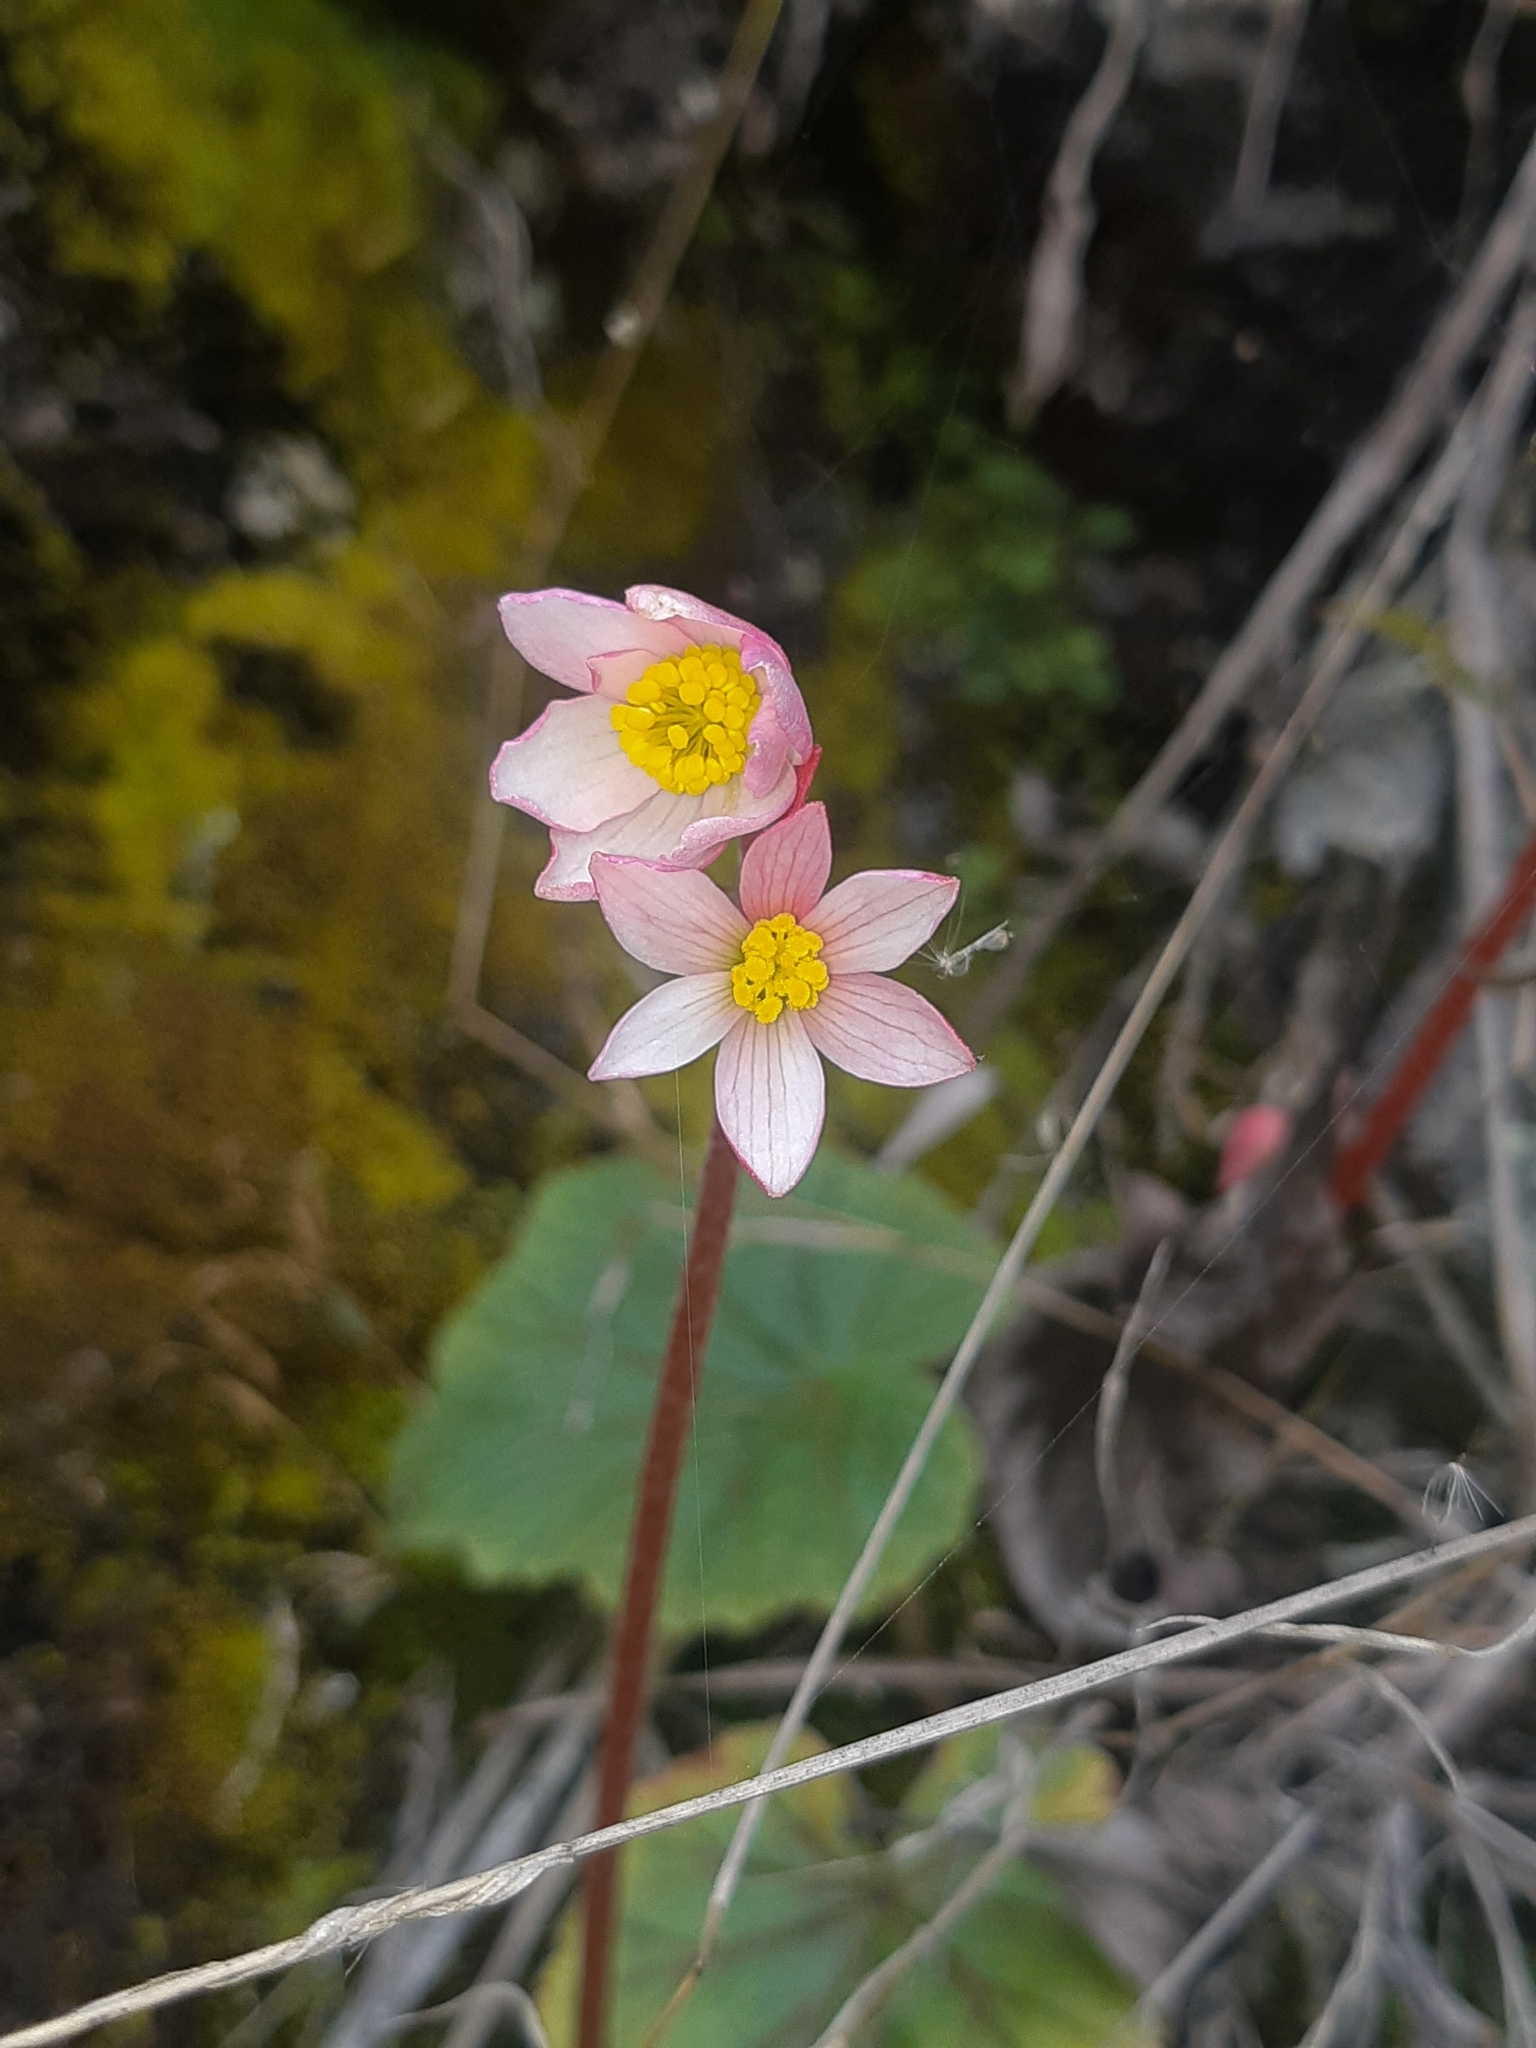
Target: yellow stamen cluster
{"type": "Point", "coordinates": [778, 966]}
{"type": "Point", "coordinates": [686, 722]}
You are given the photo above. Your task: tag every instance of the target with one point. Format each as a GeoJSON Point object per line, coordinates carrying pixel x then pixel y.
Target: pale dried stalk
{"type": "Point", "coordinates": [1178, 1112]}
{"type": "Point", "coordinates": [1375, 470]}
{"type": "Point", "coordinates": [1352, 2007]}
{"type": "Point", "coordinates": [1266, 102]}
{"type": "Point", "coordinates": [1514, 1970]}
{"type": "Point", "coordinates": [1457, 1329]}
{"type": "Point", "coordinates": [1480, 647]}
{"type": "Point", "coordinates": [423, 1952]}
{"type": "Point", "coordinates": [489, 2003]}
{"type": "Point", "coordinates": [351, 1927]}
{"type": "Point", "coordinates": [805, 36]}
{"type": "Point", "coordinates": [525, 1926]}
{"type": "Point", "coordinates": [1431, 505]}
{"type": "Point", "coordinates": [284, 1649]}
{"type": "Point", "coordinates": [1480, 98]}
{"type": "Point", "coordinates": [920, 1947]}
{"type": "Point", "coordinates": [1289, 1429]}
{"type": "Point", "coordinates": [1166, 1994]}
{"type": "Point", "coordinates": [1115, 1390]}
{"type": "Point", "coordinates": [1051, 343]}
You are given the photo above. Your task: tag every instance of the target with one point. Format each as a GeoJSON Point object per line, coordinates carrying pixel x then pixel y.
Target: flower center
{"type": "Point", "coordinates": [778, 966]}
{"type": "Point", "coordinates": [686, 722]}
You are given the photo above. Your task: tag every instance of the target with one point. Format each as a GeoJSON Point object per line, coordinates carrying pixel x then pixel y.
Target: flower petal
{"type": "Point", "coordinates": [675, 831]}
{"type": "Point", "coordinates": [787, 867]}
{"type": "Point", "coordinates": [770, 664]}
{"type": "Point", "coordinates": [671, 918]}
{"type": "Point", "coordinates": [561, 632]}
{"type": "Point", "coordinates": [883, 1031]}
{"type": "Point", "coordinates": [568, 768]}
{"type": "Point", "coordinates": [612, 674]}
{"type": "Point", "coordinates": [771, 1094]}
{"type": "Point", "coordinates": [764, 656]}
{"type": "Point", "coordinates": [668, 1028]}
{"type": "Point", "coordinates": [876, 920]}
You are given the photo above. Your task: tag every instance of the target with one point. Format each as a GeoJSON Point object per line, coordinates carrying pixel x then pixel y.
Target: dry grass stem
{"type": "Point", "coordinates": [1050, 346]}
{"type": "Point", "coordinates": [353, 1927]}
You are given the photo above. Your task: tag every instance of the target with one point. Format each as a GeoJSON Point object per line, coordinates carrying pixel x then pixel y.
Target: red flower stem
{"type": "Point", "coordinates": [682, 1364]}
{"type": "Point", "coordinates": [1436, 1035]}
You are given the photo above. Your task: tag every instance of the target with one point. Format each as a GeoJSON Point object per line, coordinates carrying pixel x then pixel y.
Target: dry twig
{"type": "Point", "coordinates": [1480, 647]}
{"type": "Point", "coordinates": [1456, 1327]}
{"type": "Point", "coordinates": [1480, 98]}
{"type": "Point", "coordinates": [351, 1927]}
{"type": "Point", "coordinates": [1166, 1995]}
{"type": "Point", "coordinates": [1266, 102]}
{"type": "Point", "coordinates": [1051, 343]}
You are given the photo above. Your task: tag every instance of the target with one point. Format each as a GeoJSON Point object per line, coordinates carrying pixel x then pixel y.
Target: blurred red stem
{"type": "Point", "coordinates": [1436, 1035]}
{"type": "Point", "coordinates": [676, 1388]}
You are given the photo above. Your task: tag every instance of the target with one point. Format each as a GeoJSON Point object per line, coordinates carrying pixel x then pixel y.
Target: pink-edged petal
{"type": "Point", "coordinates": [568, 768]}
{"type": "Point", "coordinates": [769, 663]}
{"type": "Point", "coordinates": [763, 655]}
{"type": "Point", "coordinates": [676, 831]}
{"type": "Point", "coordinates": [771, 1097]}
{"type": "Point", "coordinates": [668, 1028]}
{"type": "Point", "coordinates": [562, 632]}
{"type": "Point", "coordinates": [730, 812]}
{"type": "Point", "coordinates": [883, 1031]}
{"type": "Point", "coordinates": [671, 918]}
{"type": "Point", "coordinates": [787, 867]}
{"type": "Point", "coordinates": [874, 921]}
{"type": "Point", "coordinates": [660, 601]}
{"type": "Point", "coordinates": [768, 754]}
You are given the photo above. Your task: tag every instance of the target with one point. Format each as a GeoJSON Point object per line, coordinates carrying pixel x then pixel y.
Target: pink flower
{"type": "Point", "coordinates": [1258, 1135]}
{"type": "Point", "coordinates": [688, 730]}
{"type": "Point", "coordinates": [797, 972]}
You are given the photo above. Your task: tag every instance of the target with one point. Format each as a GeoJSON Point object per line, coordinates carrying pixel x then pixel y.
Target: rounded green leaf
{"type": "Point", "coordinates": [837, 1302]}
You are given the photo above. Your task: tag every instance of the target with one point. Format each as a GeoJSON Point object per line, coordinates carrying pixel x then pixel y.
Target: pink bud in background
{"type": "Point", "coordinates": [1257, 1136]}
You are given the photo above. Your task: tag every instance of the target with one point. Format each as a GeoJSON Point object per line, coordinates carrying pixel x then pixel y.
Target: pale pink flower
{"type": "Point", "coordinates": [1258, 1136]}
{"type": "Point", "coordinates": [797, 974]}
{"type": "Point", "coordinates": [688, 730]}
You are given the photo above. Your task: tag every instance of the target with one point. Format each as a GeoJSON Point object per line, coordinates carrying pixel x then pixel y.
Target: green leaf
{"type": "Point", "coordinates": [817, 1911]}
{"type": "Point", "coordinates": [835, 1304]}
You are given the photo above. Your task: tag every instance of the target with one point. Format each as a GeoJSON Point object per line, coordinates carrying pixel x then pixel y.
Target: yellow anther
{"type": "Point", "coordinates": [686, 722]}
{"type": "Point", "coordinates": [778, 966]}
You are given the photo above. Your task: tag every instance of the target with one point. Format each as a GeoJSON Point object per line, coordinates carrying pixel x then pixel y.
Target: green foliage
{"type": "Point", "coordinates": [818, 1910]}
{"type": "Point", "coordinates": [977, 586]}
{"type": "Point", "coordinates": [835, 1300]}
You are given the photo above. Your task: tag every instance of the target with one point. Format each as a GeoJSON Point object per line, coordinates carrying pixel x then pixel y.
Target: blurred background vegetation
{"type": "Point", "coordinates": [271, 446]}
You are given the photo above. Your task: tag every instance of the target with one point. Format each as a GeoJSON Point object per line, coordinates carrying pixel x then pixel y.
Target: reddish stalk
{"type": "Point", "coordinates": [682, 1363]}
{"type": "Point", "coordinates": [1436, 1035]}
